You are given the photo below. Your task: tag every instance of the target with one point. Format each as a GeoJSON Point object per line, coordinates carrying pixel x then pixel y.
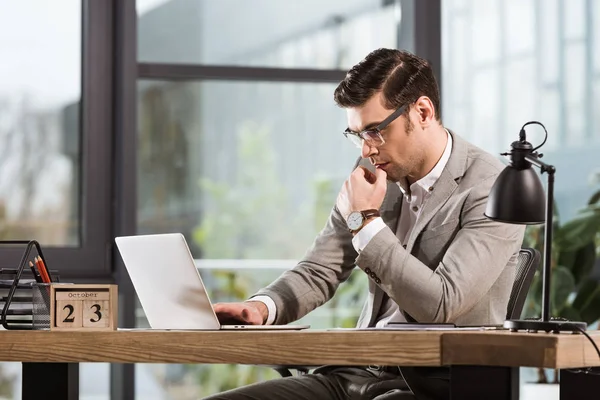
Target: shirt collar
{"type": "Point", "coordinates": [431, 178]}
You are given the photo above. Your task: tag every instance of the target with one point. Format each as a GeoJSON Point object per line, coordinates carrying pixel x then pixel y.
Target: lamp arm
{"type": "Point", "coordinates": [534, 159]}
{"type": "Point", "coordinates": [547, 271]}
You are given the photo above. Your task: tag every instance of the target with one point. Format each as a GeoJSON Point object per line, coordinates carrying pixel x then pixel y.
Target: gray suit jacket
{"type": "Point", "coordinates": [458, 265]}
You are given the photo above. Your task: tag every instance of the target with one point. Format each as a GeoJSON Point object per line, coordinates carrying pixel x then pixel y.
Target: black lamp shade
{"type": "Point", "coordinates": [517, 197]}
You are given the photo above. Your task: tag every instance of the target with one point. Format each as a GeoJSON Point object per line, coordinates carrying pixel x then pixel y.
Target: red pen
{"type": "Point", "coordinates": [42, 268]}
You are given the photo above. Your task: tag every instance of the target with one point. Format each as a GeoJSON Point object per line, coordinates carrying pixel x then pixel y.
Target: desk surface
{"type": "Point", "coordinates": [311, 347]}
{"type": "Point", "coordinates": [503, 348]}
{"type": "Point", "coordinates": [224, 347]}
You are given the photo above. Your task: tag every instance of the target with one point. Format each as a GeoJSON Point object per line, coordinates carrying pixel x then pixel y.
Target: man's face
{"type": "Point", "coordinates": [402, 154]}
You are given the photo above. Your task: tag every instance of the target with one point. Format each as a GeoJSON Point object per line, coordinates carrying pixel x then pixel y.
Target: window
{"type": "Point", "coordinates": [311, 34]}
{"type": "Point", "coordinates": [39, 121]}
{"type": "Point", "coordinates": [248, 171]}
{"type": "Point", "coordinates": [496, 79]}
{"type": "Point", "coordinates": [51, 183]}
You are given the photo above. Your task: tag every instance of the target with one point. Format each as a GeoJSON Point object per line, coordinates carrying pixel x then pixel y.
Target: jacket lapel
{"type": "Point", "coordinates": [391, 206]}
{"type": "Point", "coordinates": [442, 189]}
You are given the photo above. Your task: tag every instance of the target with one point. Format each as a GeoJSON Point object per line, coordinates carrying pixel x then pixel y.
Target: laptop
{"type": "Point", "coordinates": [169, 286]}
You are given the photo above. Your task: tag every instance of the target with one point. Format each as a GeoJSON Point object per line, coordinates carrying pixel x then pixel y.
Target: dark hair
{"type": "Point", "coordinates": [401, 76]}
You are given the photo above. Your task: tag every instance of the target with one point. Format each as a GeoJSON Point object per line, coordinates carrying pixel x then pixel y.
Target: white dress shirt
{"type": "Point", "coordinates": [413, 200]}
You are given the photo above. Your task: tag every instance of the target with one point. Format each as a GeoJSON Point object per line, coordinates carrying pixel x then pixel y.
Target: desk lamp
{"type": "Point", "coordinates": [517, 197]}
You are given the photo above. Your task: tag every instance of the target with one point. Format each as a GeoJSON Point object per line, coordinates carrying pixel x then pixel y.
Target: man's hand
{"type": "Point", "coordinates": [363, 190]}
{"type": "Point", "coordinates": [246, 313]}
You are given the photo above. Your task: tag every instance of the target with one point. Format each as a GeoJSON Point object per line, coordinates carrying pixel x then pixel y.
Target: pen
{"type": "Point", "coordinates": [36, 276]}
{"type": "Point", "coordinates": [42, 268]}
{"type": "Point", "coordinates": [46, 269]}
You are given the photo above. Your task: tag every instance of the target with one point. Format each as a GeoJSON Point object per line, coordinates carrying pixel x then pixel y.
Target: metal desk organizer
{"type": "Point", "coordinates": [40, 304]}
{"type": "Point", "coordinates": [27, 290]}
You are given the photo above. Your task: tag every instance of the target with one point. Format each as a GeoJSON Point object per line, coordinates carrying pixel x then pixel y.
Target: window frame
{"type": "Point", "coordinates": [90, 260]}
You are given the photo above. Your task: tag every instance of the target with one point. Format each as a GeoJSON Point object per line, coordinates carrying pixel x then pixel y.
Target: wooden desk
{"type": "Point", "coordinates": [50, 358]}
{"type": "Point", "coordinates": [503, 348]}
{"type": "Point", "coordinates": [489, 360]}
{"type": "Point", "coordinates": [224, 347]}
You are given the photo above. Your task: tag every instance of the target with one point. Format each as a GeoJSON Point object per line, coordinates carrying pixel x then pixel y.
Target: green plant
{"type": "Point", "coordinates": [574, 294]}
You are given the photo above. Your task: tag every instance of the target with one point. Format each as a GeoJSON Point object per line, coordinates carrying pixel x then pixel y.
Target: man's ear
{"type": "Point", "coordinates": [426, 111]}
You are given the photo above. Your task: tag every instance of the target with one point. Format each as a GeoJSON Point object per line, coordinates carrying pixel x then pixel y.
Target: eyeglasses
{"type": "Point", "coordinates": [372, 136]}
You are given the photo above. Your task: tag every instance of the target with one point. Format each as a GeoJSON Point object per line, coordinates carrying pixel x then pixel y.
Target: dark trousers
{"type": "Point", "coordinates": [347, 383]}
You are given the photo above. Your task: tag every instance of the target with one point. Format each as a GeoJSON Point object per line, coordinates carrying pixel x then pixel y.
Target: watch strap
{"type": "Point", "coordinates": [366, 214]}
{"type": "Point", "coordinates": [370, 213]}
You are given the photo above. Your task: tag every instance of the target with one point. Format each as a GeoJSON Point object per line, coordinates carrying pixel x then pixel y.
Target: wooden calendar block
{"type": "Point", "coordinates": [96, 314]}
{"type": "Point", "coordinates": [83, 307]}
{"type": "Point", "coordinates": [68, 314]}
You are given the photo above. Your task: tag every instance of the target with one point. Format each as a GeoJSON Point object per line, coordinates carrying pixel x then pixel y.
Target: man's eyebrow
{"type": "Point", "coordinates": [369, 126]}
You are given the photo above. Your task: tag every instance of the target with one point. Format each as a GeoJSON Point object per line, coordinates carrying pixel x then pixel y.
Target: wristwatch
{"type": "Point", "coordinates": [356, 220]}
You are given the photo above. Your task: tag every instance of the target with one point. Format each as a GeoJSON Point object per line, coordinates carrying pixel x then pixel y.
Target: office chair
{"type": "Point", "coordinates": [528, 262]}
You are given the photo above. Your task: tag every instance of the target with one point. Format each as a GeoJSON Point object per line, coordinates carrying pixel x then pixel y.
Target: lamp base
{"type": "Point", "coordinates": [535, 326]}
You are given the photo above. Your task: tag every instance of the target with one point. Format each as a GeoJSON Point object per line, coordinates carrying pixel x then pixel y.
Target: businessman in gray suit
{"type": "Point", "coordinates": [411, 216]}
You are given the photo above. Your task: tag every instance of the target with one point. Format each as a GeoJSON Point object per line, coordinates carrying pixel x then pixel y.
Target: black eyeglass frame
{"type": "Point", "coordinates": [364, 135]}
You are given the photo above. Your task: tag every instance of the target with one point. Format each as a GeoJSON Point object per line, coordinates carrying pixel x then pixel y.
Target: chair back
{"type": "Point", "coordinates": [527, 263]}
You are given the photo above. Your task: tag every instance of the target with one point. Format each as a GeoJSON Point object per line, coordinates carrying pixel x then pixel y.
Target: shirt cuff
{"type": "Point", "coordinates": [267, 301]}
{"type": "Point", "coordinates": [364, 236]}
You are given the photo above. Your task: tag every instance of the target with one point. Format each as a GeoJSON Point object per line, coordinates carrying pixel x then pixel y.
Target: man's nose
{"type": "Point", "coordinates": [366, 150]}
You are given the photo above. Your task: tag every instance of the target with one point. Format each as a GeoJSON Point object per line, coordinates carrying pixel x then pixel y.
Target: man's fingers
{"type": "Point", "coordinates": [231, 313]}
{"type": "Point", "coordinates": [370, 177]}
{"type": "Point", "coordinates": [363, 172]}
{"type": "Point", "coordinates": [381, 175]}
{"type": "Point", "coordinates": [218, 307]}
{"type": "Point", "coordinates": [224, 309]}
{"type": "Point", "coordinates": [244, 317]}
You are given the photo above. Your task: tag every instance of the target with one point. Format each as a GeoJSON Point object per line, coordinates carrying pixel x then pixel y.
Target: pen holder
{"type": "Point", "coordinates": [40, 305]}
{"type": "Point", "coordinates": [15, 286]}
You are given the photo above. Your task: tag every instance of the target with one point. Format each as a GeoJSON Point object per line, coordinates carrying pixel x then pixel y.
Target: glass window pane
{"type": "Point", "coordinates": [40, 80]}
{"type": "Point", "coordinates": [485, 31]}
{"type": "Point", "coordinates": [575, 91]}
{"type": "Point", "coordinates": [94, 381]}
{"type": "Point", "coordinates": [548, 19]}
{"type": "Point", "coordinates": [459, 34]}
{"type": "Point", "coordinates": [595, 29]}
{"type": "Point", "coordinates": [559, 99]}
{"type": "Point", "coordinates": [520, 17]}
{"type": "Point", "coordinates": [307, 34]}
{"type": "Point", "coordinates": [575, 19]}
{"type": "Point", "coordinates": [10, 380]}
{"type": "Point", "coordinates": [596, 112]}
{"type": "Point", "coordinates": [244, 170]}
{"type": "Point", "coordinates": [486, 116]}
{"type": "Point", "coordinates": [519, 77]}
{"type": "Point", "coordinates": [248, 172]}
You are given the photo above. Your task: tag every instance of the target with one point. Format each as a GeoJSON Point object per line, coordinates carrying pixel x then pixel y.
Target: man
{"type": "Point", "coordinates": [413, 221]}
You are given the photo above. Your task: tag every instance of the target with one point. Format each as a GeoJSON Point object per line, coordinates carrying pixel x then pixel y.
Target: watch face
{"type": "Point", "coordinates": [355, 220]}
